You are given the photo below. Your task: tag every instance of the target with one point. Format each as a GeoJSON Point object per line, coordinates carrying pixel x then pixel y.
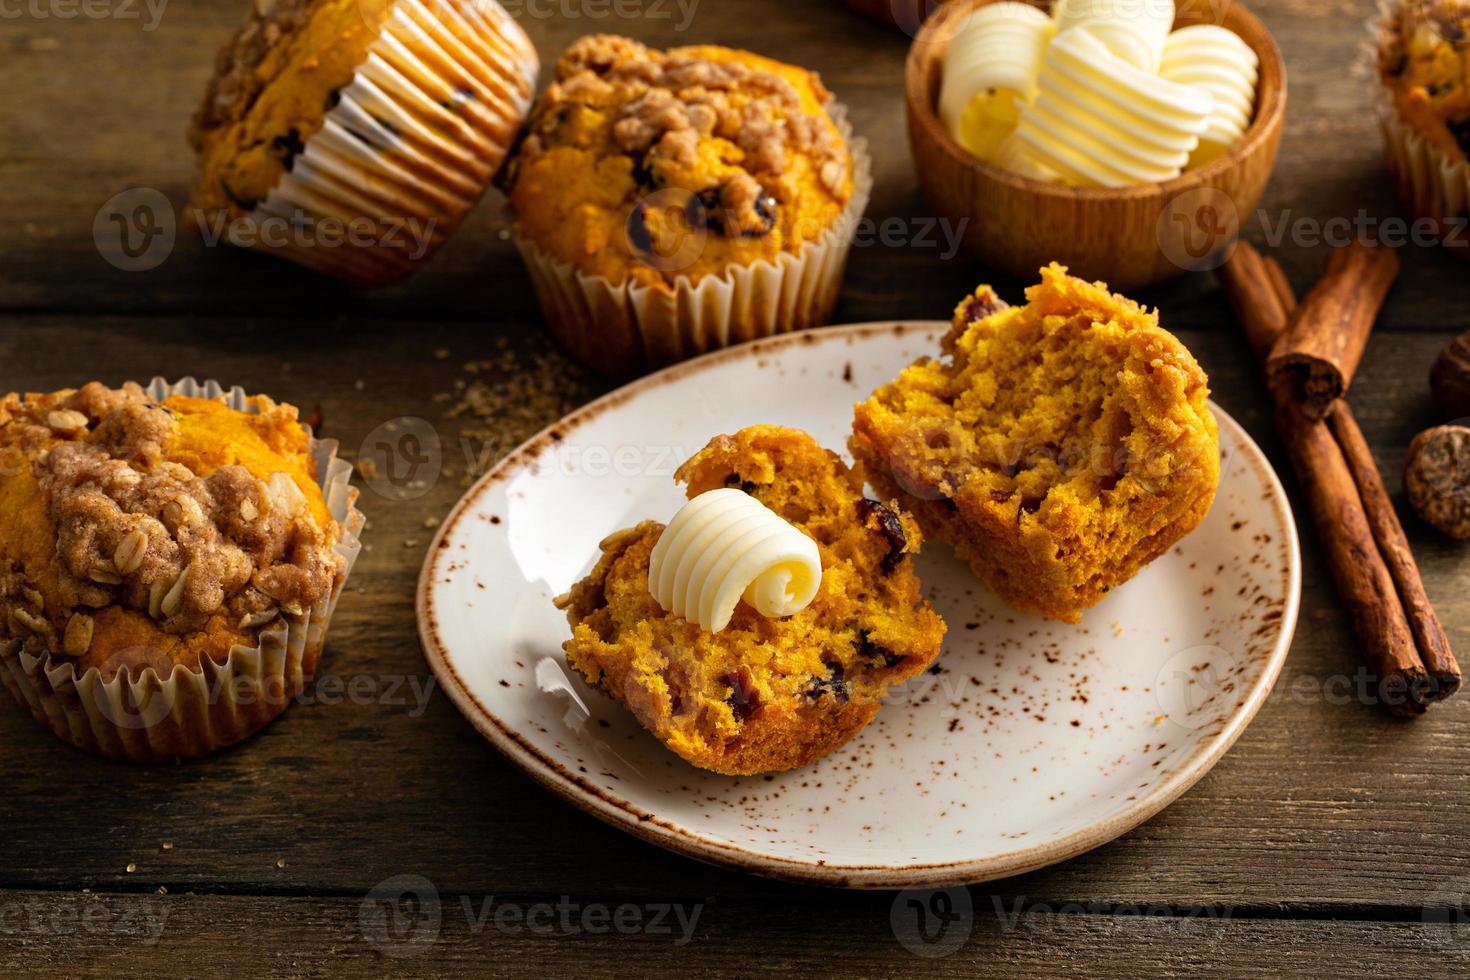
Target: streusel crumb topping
{"type": "Point", "coordinates": [116, 500]}
{"type": "Point", "coordinates": [680, 163]}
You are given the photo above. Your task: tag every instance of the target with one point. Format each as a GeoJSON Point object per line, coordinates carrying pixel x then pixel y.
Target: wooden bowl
{"type": "Point", "coordinates": [1128, 236]}
{"type": "Point", "coordinates": [906, 15]}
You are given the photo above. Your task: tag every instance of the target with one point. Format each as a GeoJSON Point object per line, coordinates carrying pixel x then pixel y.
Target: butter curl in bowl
{"type": "Point", "coordinates": [1108, 159]}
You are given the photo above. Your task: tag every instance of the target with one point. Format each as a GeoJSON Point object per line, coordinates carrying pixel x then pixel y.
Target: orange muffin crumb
{"type": "Point", "coordinates": [763, 695]}
{"type": "Point", "coordinates": [1059, 447]}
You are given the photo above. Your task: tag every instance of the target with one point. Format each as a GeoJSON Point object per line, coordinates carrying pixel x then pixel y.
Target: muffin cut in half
{"type": "Point", "coordinates": [763, 695]}
{"type": "Point", "coordinates": [1059, 447]}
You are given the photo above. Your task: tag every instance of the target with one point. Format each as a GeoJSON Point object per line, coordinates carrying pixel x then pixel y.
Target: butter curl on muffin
{"type": "Point", "coordinates": [1058, 447]}
{"type": "Point", "coordinates": [353, 136]}
{"type": "Point", "coordinates": [153, 541]}
{"type": "Point", "coordinates": [763, 694]}
{"type": "Point", "coordinates": [668, 203]}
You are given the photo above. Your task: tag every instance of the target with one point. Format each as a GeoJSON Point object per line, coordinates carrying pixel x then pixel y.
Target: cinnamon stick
{"type": "Point", "coordinates": [1393, 543]}
{"type": "Point", "coordinates": [1324, 340]}
{"type": "Point", "coordinates": [1277, 277]}
{"type": "Point", "coordinates": [1364, 585]}
{"type": "Point", "coordinates": [1257, 304]}
{"type": "Point", "coordinates": [1334, 503]}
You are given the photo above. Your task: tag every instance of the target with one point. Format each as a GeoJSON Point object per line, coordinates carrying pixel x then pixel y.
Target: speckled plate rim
{"type": "Point", "coordinates": [682, 840]}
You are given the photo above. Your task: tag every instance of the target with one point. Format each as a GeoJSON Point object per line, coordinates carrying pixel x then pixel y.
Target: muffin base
{"type": "Point", "coordinates": [1428, 183]}
{"type": "Point", "coordinates": [394, 170]}
{"type": "Point", "coordinates": [190, 713]}
{"type": "Point", "coordinates": [625, 329]}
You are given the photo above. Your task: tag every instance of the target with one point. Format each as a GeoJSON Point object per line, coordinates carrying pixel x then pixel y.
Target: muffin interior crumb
{"type": "Point", "coordinates": [1058, 445]}
{"type": "Point", "coordinates": [763, 694]}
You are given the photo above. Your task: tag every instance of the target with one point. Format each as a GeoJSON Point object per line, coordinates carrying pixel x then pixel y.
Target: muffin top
{"type": "Point", "coordinates": [136, 533]}
{"type": "Point", "coordinates": [274, 82]}
{"type": "Point", "coordinates": [1424, 57]}
{"type": "Point", "coordinates": [651, 166]}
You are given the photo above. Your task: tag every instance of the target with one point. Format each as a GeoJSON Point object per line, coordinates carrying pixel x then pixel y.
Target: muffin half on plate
{"type": "Point", "coordinates": [1059, 446]}
{"type": "Point", "coordinates": [751, 691]}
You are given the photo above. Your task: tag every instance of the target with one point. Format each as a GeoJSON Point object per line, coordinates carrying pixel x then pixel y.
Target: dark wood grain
{"type": "Point", "coordinates": [277, 841]}
{"type": "Point", "coordinates": [457, 935]}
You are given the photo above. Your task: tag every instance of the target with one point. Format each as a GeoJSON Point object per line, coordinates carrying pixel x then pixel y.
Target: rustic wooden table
{"type": "Point", "coordinates": [1332, 839]}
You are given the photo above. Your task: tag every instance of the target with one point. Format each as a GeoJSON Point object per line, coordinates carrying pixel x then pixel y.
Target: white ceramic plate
{"type": "Point", "coordinates": [1034, 741]}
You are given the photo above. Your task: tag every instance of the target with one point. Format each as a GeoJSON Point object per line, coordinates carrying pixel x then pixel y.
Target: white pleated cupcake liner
{"type": "Point", "coordinates": [622, 329]}
{"type": "Point", "coordinates": [408, 149]}
{"type": "Point", "coordinates": [149, 718]}
{"type": "Point", "coordinates": [1429, 183]}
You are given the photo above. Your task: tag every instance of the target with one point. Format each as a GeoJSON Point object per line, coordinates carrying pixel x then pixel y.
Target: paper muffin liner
{"type": "Point", "coordinates": [622, 329]}
{"type": "Point", "coordinates": [1429, 184]}
{"type": "Point", "coordinates": [150, 718]}
{"type": "Point", "coordinates": [408, 149]}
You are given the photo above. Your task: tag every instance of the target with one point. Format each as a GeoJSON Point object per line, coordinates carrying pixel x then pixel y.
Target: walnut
{"type": "Point", "coordinates": [1449, 379]}
{"type": "Point", "coordinates": [1437, 478]}
{"type": "Point", "coordinates": [66, 421]}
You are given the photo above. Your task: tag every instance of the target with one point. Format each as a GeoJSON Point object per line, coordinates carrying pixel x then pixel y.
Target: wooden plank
{"type": "Point", "coordinates": [1325, 804]}
{"type": "Point", "coordinates": [112, 934]}
{"type": "Point", "coordinates": [75, 137]}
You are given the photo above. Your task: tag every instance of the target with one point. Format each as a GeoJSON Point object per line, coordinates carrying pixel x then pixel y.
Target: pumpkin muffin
{"type": "Point", "coordinates": [1424, 66]}
{"type": "Point", "coordinates": [671, 203]}
{"type": "Point", "coordinates": [354, 135]}
{"type": "Point", "coordinates": [152, 540]}
{"type": "Point", "coordinates": [1059, 446]}
{"type": "Point", "coordinates": [763, 694]}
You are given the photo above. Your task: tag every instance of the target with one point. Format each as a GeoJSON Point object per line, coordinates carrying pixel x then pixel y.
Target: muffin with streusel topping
{"type": "Point", "coordinates": [169, 562]}
{"type": "Point", "coordinates": [669, 203]}
{"type": "Point", "coordinates": [1424, 66]}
